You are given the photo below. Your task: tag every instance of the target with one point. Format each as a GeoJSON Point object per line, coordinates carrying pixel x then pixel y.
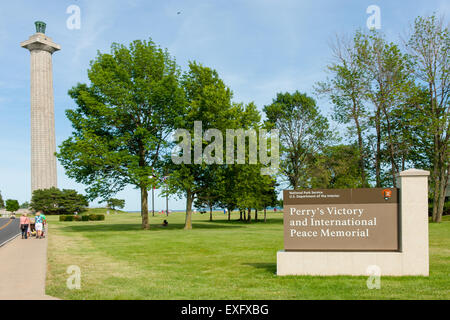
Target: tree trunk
{"type": "Point", "coordinates": [394, 168]}
{"type": "Point", "coordinates": [265, 213]}
{"type": "Point", "coordinates": [189, 201]}
{"type": "Point", "coordinates": [249, 218]}
{"type": "Point", "coordinates": [144, 208]}
{"type": "Point", "coordinates": [167, 205]}
{"type": "Point", "coordinates": [229, 214]}
{"type": "Point", "coordinates": [245, 215]}
{"type": "Point", "coordinates": [435, 179]}
{"type": "Point", "coordinates": [360, 144]}
{"type": "Point", "coordinates": [153, 201]}
{"type": "Point", "coordinates": [210, 214]}
{"type": "Point", "coordinates": [443, 185]}
{"type": "Point", "coordinates": [240, 213]}
{"type": "Point", "coordinates": [256, 215]}
{"type": "Point", "coordinates": [378, 152]}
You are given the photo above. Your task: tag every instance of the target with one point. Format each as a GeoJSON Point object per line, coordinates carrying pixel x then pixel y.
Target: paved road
{"type": "Point", "coordinates": [8, 229]}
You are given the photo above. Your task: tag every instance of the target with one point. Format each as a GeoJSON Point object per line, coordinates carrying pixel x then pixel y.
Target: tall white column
{"type": "Point", "coordinates": [43, 145]}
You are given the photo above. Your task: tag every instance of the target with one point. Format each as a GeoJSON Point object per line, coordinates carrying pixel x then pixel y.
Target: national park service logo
{"type": "Point", "coordinates": [387, 194]}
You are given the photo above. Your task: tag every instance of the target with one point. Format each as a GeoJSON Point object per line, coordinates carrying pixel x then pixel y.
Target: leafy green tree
{"type": "Point", "coordinates": [389, 85]}
{"type": "Point", "coordinates": [269, 196]}
{"type": "Point", "coordinates": [122, 121]}
{"type": "Point", "coordinates": [55, 201]}
{"type": "Point", "coordinates": [208, 198]}
{"type": "Point", "coordinates": [339, 167]}
{"type": "Point", "coordinates": [241, 183]}
{"type": "Point", "coordinates": [429, 46]}
{"type": "Point", "coordinates": [2, 202]}
{"type": "Point", "coordinates": [12, 205]}
{"type": "Point", "coordinates": [25, 205]}
{"type": "Point", "coordinates": [115, 203]}
{"type": "Point", "coordinates": [303, 133]}
{"type": "Point", "coordinates": [209, 102]}
{"type": "Point", "coordinates": [228, 188]}
{"type": "Point", "coordinates": [249, 188]}
{"type": "Point", "coordinates": [71, 201]}
{"type": "Point", "coordinates": [346, 91]}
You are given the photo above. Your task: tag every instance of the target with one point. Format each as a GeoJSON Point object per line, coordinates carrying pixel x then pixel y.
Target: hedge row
{"type": "Point", "coordinates": [87, 217]}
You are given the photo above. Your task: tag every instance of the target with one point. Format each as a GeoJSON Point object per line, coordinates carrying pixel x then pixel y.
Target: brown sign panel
{"type": "Point", "coordinates": [341, 219]}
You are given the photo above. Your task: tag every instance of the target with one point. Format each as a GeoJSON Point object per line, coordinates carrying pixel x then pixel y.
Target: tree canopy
{"type": "Point", "coordinates": [123, 120]}
{"type": "Point", "coordinates": [55, 201]}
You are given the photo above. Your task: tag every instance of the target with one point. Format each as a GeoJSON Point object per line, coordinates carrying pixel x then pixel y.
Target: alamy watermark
{"type": "Point", "coordinates": [73, 22]}
{"type": "Point", "coordinates": [259, 143]}
{"type": "Point", "coordinates": [374, 280]}
{"type": "Point", "coordinates": [74, 280]}
{"type": "Point", "coordinates": [374, 20]}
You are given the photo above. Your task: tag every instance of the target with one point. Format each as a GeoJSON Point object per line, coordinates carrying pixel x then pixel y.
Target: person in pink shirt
{"type": "Point", "coordinates": [24, 222]}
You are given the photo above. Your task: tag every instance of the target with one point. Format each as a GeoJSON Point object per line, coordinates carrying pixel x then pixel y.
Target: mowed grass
{"type": "Point", "coordinates": [215, 260]}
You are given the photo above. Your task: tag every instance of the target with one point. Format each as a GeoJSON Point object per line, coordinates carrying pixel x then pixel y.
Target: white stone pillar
{"type": "Point", "coordinates": [43, 144]}
{"type": "Point", "coordinates": [413, 204]}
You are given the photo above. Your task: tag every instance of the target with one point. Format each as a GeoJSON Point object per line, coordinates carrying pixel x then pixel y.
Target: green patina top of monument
{"type": "Point", "coordinates": [40, 26]}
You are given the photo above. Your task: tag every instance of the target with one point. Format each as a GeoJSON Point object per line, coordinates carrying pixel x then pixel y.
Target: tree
{"type": "Point", "coordinates": [269, 196]}
{"type": "Point", "coordinates": [429, 46]}
{"type": "Point", "coordinates": [207, 198]}
{"type": "Point", "coordinates": [25, 205]}
{"type": "Point", "coordinates": [47, 200]}
{"type": "Point", "coordinates": [346, 89]}
{"type": "Point", "coordinates": [2, 202]}
{"type": "Point", "coordinates": [208, 104]}
{"type": "Point", "coordinates": [389, 86]}
{"type": "Point", "coordinates": [241, 183]}
{"type": "Point", "coordinates": [115, 203]}
{"type": "Point", "coordinates": [71, 201]}
{"type": "Point", "coordinates": [249, 185]}
{"type": "Point", "coordinates": [303, 132]}
{"type": "Point", "coordinates": [123, 120]}
{"type": "Point", "coordinates": [12, 205]}
{"type": "Point", "coordinates": [55, 201]}
{"type": "Point", "coordinates": [228, 188]}
{"type": "Point", "coordinates": [339, 167]}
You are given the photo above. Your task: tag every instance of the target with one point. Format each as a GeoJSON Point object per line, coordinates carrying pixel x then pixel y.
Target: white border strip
{"type": "Point", "coordinates": [9, 240]}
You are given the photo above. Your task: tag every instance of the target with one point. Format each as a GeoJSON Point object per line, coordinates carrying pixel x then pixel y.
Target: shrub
{"type": "Point", "coordinates": [96, 217]}
{"type": "Point", "coordinates": [66, 218]}
{"type": "Point", "coordinates": [87, 217]}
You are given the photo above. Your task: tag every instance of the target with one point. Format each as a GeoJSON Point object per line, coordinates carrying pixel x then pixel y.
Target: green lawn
{"type": "Point", "coordinates": [215, 260]}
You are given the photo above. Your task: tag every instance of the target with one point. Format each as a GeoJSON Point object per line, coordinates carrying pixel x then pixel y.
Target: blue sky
{"type": "Point", "coordinates": [259, 47]}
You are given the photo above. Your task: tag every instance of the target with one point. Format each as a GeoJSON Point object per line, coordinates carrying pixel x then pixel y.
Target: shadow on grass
{"type": "Point", "coordinates": [239, 222]}
{"type": "Point", "coordinates": [268, 267]}
{"type": "Point", "coordinates": [137, 227]}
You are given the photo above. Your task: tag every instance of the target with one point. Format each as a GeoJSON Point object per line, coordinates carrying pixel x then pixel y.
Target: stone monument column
{"type": "Point", "coordinates": [43, 145]}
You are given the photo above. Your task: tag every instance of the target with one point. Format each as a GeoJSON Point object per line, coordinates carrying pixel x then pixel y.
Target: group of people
{"type": "Point", "coordinates": [33, 226]}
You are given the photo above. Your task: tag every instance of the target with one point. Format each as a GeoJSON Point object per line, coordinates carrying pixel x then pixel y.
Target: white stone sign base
{"type": "Point", "coordinates": [411, 260]}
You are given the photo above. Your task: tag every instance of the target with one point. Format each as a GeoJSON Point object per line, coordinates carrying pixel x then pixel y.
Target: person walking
{"type": "Point", "coordinates": [38, 224]}
{"type": "Point", "coordinates": [44, 225]}
{"type": "Point", "coordinates": [24, 223]}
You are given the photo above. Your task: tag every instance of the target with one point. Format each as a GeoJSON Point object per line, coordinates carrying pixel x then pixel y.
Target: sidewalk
{"type": "Point", "coordinates": [23, 266]}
